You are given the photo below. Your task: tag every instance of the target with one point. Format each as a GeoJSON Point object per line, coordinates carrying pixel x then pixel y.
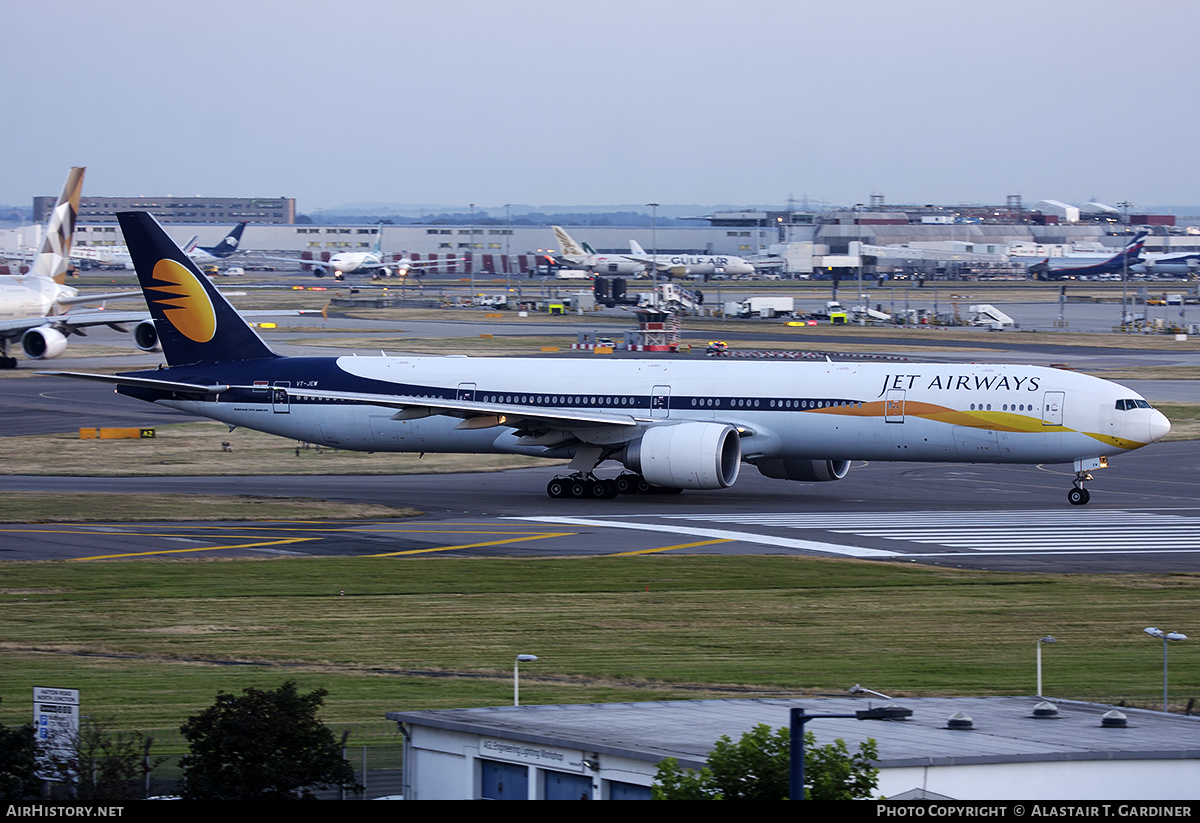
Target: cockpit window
{"type": "Point", "coordinates": [1127, 404]}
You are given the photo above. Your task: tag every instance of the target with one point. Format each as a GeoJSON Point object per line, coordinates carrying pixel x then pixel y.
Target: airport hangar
{"type": "Point", "coordinates": [984, 230]}
{"type": "Point", "coordinates": [977, 748]}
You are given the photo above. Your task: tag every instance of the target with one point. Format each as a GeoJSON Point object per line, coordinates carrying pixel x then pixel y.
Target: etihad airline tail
{"type": "Point", "coordinates": [672, 424]}
{"type": "Point", "coordinates": [34, 306]}
{"type": "Point", "coordinates": [583, 256]}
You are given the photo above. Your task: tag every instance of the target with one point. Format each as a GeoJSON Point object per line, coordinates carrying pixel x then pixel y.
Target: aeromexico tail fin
{"type": "Point", "coordinates": [55, 254]}
{"type": "Point", "coordinates": [195, 323]}
{"type": "Point", "coordinates": [229, 243]}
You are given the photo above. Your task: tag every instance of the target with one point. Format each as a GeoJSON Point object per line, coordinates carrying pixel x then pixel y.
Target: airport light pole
{"type": "Point", "coordinates": [1125, 311]}
{"type": "Point", "coordinates": [521, 658]}
{"type": "Point", "coordinates": [798, 719]}
{"type": "Point", "coordinates": [654, 247]}
{"type": "Point", "coordinates": [1046, 639]}
{"type": "Point", "coordinates": [1166, 636]}
{"type": "Point", "coordinates": [862, 316]}
{"type": "Point", "coordinates": [471, 247]}
{"type": "Point", "coordinates": [507, 243]}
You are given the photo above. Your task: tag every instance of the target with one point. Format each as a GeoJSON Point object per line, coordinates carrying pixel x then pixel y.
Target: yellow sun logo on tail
{"type": "Point", "coordinates": [188, 306]}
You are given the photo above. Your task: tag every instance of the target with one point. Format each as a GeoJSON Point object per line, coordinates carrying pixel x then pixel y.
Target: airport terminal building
{"type": "Point", "coordinates": [980, 748]}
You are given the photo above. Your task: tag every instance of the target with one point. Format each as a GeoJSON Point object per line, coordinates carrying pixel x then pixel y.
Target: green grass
{"type": "Point", "coordinates": [150, 642]}
{"type": "Point", "coordinates": [198, 449]}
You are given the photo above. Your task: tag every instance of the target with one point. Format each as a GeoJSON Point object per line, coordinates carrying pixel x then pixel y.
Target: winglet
{"type": "Point", "coordinates": [195, 322]}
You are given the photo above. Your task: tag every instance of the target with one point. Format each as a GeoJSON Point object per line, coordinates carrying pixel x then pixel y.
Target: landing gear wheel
{"type": "Point", "coordinates": [599, 489]}
{"type": "Point", "coordinates": [1079, 496]}
{"type": "Point", "coordinates": [625, 483]}
{"type": "Point", "coordinates": [556, 488]}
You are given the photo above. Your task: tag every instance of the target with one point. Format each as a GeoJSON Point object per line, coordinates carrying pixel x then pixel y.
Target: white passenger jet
{"type": "Point", "coordinates": [373, 262]}
{"type": "Point", "coordinates": [34, 307]}
{"type": "Point", "coordinates": [582, 256]}
{"type": "Point", "coordinates": [684, 265]}
{"type": "Point", "coordinates": [673, 424]}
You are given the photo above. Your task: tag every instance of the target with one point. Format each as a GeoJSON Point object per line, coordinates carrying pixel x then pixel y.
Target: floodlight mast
{"type": "Point", "coordinates": [1154, 631]}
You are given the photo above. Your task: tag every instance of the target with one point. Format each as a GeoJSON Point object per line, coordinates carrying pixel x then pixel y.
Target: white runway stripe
{"type": "Point", "coordinates": [1029, 532]}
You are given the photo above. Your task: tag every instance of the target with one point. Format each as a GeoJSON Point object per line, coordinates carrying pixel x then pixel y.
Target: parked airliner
{"type": "Point", "coordinates": [684, 265]}
{"type": "Point", "coordinates": [574, 255]}
{"type": "Point", "coordinates": [1091, 265]}
{"type": "Point", "coordinates": [673, 424]}
{"type": "Point", "coordinates": [373, 262]}
{"type": "Point", "coordinates": [34, 307]}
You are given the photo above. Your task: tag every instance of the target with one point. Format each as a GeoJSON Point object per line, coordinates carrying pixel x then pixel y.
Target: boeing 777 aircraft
{"type": "Point", "coordinates": [673, 424]}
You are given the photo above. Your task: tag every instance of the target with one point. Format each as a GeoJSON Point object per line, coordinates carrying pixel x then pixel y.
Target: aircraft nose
{"type": "Point", "coordinates": [1160, 426]}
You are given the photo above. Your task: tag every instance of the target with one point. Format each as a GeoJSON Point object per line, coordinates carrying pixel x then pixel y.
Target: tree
{"type": "Point", "coordinates": [103, 766]}
{"type": "Point", "coordinates": [757, 767]}
{"type": "Point", "coordinates": [262, 745]}
{"type": "Point", "coordinates": [18, 763]}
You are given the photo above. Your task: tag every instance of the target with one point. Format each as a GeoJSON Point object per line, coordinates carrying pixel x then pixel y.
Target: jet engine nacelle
{"type": "Point", "coordinates": [804, 471]}
{"type": "Point", "coordinates": [145, 336]}
{"type": "Point", "coordinates": [687, 456]}
{"type": "Point", "coordinates": [43, 343]}
{"type": "Point", "coordinates": [318, 271]}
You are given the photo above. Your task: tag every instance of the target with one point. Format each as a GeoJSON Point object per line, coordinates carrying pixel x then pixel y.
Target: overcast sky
{"type": "Point", "coordinates": [746, 102]}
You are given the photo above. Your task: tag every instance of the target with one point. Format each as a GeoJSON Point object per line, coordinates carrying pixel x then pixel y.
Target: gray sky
{"type": "Point", "coordinates": [744, 102]}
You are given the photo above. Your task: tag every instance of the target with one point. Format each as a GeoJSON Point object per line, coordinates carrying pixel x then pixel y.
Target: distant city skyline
{"type": "Point", "coordinates": [668, 101]}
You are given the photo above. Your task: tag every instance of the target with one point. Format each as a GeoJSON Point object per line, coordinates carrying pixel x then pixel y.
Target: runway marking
{"type": "Point", "coordinates": [470, 545]}
{"type": "Point", "coordinates": [1009, 532]}
{"type": "Point", "coordinates": [723, 534]}
{"type": "Point", "coordinates": [283, 542]}
{"type": "Point", "coordinates": [671, 548]}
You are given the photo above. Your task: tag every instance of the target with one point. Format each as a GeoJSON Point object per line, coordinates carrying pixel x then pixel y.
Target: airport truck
{"type": "Point", "coordinates": [761, 307]}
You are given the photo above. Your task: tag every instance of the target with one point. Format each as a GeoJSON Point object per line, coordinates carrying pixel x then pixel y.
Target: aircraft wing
{"type": "Point", "coordinates": [70, 323]}
{"type": "Point", "coordinates": [420, 264]}
{"type": "Point", "coordinates": [296, 260]}
{"type": "Point", "coordinates": [141, 382]}
{"type": "Point", "coordinates": [95, 298]}
{"type": "Point", "coordinates": [476, 414]}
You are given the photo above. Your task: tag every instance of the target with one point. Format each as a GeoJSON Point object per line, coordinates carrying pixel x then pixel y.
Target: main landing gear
{"type": "Point", "coordinates": [1079, 496]}
{"type": "Point", "coordinates": [583, 486]}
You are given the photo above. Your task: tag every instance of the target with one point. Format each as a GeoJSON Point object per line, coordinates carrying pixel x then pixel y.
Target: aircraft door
{"type": "Point", "coordinates": [1052, 408]}
{"type": "Point", "coordinates": [893, 406]}
{"type": "Point", "coordinates": [466, 391]}
{"type": "Point", "coordinates": [660, 402]}
{"type": "Point", "coordinates": [279, 397]}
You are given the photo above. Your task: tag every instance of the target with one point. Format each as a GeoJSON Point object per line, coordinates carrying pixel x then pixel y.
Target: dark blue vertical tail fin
{"type": "Point", "coordinates": [195, 323]}
{"type": "Point", "coordinates": [229, 243]}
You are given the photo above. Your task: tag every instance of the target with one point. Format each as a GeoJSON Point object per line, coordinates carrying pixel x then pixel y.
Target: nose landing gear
{"type": "Point", "coordinates": [1079, 496]}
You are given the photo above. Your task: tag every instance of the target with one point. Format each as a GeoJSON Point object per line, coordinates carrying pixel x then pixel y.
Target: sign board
{"type": "Point", "coordinates": [56, 720]}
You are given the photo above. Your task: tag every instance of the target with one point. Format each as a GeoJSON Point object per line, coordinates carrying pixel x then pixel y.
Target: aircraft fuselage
{"type": "Point", "coordinates": [781, 411]}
